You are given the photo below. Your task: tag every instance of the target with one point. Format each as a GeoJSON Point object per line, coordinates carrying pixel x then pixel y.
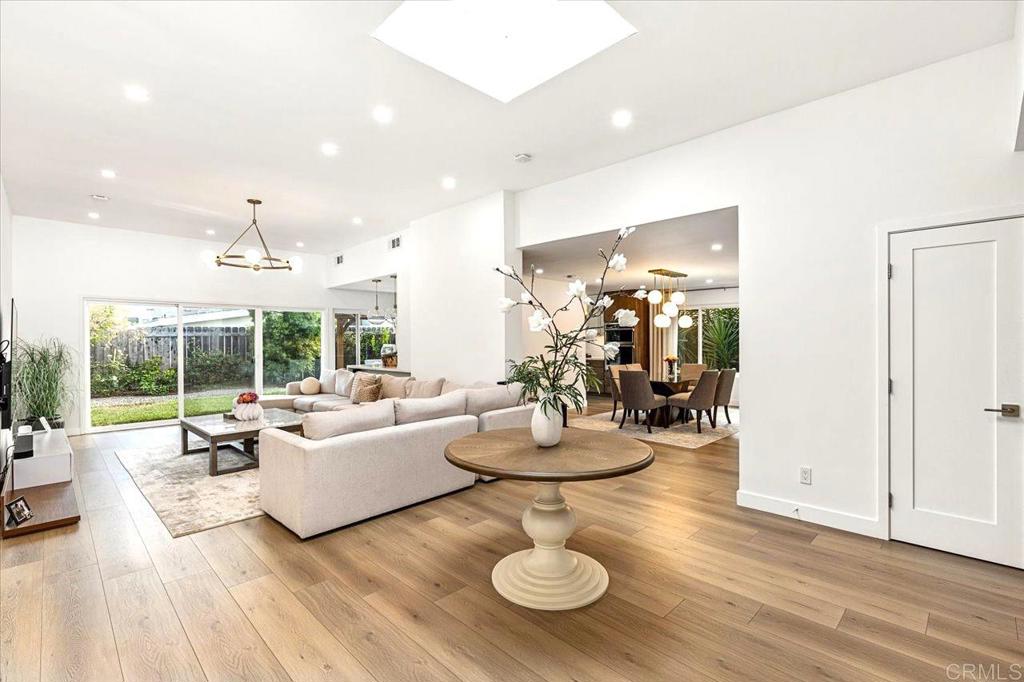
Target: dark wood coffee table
{"type": "Point", "coordinates": [218, 430]}
{"type": "Point", "coordinates": [549, 576]}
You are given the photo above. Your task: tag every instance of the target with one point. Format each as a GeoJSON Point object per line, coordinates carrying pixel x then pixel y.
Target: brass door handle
{"type": "Point", "coordinates": [1006, 410]}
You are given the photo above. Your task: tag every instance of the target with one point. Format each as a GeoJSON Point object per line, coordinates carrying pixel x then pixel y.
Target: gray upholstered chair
{"type": "Point", "coordinates": [701, 399]}
{"type": "Point", "coordinates": [638, 396]}
{"type": "Point", "coordinates": [723, 392]}
{"type": "Point", "coordinates": [614, 371]}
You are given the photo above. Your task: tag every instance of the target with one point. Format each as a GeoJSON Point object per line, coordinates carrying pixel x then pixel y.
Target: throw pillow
{"type": "Point", "coordinates": [428, 388]}
{"type": "Point", "coordinates": [343, 383]}
{"type": "Point", "coordinates": [480, 400]}
{"type": "Point", "coordinates": [320, 425]}
{"type": "Point", "coordinates": [327, 380]}
{"type": "Point", "coordinates": [450, 386]}
{"type": "Point", "coordinates": [365, 387]}
{"type": "Point", "coordinates": [412, 410]}
{"type": "Point", "coordinates": [309, 386]}
{"type": "Point", "coordinates": [392, 386]}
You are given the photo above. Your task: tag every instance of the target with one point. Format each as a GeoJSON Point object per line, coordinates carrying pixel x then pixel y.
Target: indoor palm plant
{"type": "Point", "coordinates": [555, 376]}
{"type": "Point", "coordinates": [43, 384]}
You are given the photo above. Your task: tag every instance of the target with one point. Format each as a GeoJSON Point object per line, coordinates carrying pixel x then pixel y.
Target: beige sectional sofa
{"type": "Point", "coordinates": [352, 464]}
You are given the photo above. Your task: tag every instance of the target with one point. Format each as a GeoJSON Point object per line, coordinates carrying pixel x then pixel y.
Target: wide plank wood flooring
{"type": "Point", "coordinates": [700, 590]}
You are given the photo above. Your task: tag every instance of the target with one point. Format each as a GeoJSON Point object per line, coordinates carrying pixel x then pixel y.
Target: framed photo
{"type": "Point", "coordinates": [19, 510]}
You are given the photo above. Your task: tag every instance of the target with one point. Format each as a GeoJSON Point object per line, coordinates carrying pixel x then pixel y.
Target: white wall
{"type": "Point", "coordinates": [6, 257]}
{"type": "Point", "coordinates": [61, 264]}
{"type": "Point", "coordinates": [812, 183]}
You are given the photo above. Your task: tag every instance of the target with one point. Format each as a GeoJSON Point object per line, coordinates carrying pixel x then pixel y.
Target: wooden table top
{"type": "Point", "coordinates": [580, 456]}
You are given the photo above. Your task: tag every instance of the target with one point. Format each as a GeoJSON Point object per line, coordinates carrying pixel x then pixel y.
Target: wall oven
{"type": "Point", "coordinates": [620, 335]}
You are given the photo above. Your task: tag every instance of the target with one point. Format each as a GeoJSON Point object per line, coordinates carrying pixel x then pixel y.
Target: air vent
{"type": "Point", "coordinates": [339, 259]}
{"type": "Point", "coordinates": [396, 242]}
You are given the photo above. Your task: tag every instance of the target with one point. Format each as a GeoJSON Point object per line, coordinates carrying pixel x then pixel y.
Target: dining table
{"type": "Point", "coordinates": [668, 388]}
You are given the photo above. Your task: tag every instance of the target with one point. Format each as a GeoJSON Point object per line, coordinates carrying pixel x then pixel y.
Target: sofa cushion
{"type": "Point", "coordinates": [480, 400]}
{"type": "Point", "coordinates": [331, 404]}
{"type": "Point", "coordinates": [309, 386]}
{"type": "Point", "coordinates": [304, 403]}
{"type": "Point", "coordinates": [366, 388]}
{"type": "Point", "coordinates": [427, 388]}
{"type": "Point", "coordinates": [393, 387]}
{"type": "Point", "coordinates": [327, 380]}
{"type": "Point", "coordinates": [320, 425]}
{"type": "Point", "coordinates": [409, 410]}
{"type": "Point", "coordinates": [343, 382]}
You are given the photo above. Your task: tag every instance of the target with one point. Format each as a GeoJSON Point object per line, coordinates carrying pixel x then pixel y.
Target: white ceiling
{"type": "Point", "coordinates": [243, 95]}
{"type": "Point", "coordinates": [679, 244]}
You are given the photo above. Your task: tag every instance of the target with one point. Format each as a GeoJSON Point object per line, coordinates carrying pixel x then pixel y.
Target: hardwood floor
{"type": "Point", "coordinates": [700, 589]}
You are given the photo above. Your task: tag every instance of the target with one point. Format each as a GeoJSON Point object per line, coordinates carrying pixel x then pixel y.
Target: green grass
{"type": "Point", "coordinates": [163, 408]}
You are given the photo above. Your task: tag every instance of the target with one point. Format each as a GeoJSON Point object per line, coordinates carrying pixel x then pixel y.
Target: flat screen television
{"type": "Point", "coordinates": [8, 341]}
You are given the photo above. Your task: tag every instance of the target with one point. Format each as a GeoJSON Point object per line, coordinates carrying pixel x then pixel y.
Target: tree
{"type": "Point", "coordinates": [291, 345]}
{"type": "Point", "coordinates": [105, 323]}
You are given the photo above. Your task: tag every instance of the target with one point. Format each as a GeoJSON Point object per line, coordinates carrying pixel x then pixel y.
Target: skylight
{"type": "Point", "coordinates": [503, 48]}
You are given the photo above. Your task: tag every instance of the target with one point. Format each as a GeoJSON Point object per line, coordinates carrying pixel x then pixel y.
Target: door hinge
{"type": "Point", "coordinates": [890, 386]}
{"type": "Point", "coordinates": [890, 500]}
{"type": "Point", "coordinates": [890, 270]}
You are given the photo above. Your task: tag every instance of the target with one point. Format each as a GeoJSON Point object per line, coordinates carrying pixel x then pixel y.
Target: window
{"type": "Point", "coordinates": [373, 337]}
{"type": "Point", "coordinates": [714, 338]}
{"type": "Point", "coordinates": [291, 348]}
{"type": "Point", "coordinates": [220, 357]}
{"type": "Point", "coordinates": [346, 339]}
{"type": "Point", "coordinates": [359, 340]}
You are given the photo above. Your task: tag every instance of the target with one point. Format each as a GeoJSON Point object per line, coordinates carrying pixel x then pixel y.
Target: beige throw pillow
{"type": "Point", "coordinates": [412, 410]}
{"type": "Point", "coordinates": [365, 387]}
{"type": "Point", "coordinates": [428, 388]}
{"type": "Point", "coordinates": [392, 386]}
{"type": "Point", "coordinates": [343, 383]}
{"type": "Point", "coordinates": [320, 425]}
{"type": "Point", "coordinates": [309, 386]}
{"type": "Point", "coordinates": [327, 380]}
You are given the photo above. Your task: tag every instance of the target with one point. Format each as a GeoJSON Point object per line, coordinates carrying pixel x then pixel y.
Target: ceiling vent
{"type": "Point", "coordinates": [395, 243]}
{"type": "Point", "coordinates": [339, 259]}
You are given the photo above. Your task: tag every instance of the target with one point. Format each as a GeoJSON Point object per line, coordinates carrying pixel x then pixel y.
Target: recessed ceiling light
{"type": "Point", "coordinates": [357, 221]}
{"type": "Point", "coordinates": [108, 174]}
{"type": "Point", "coordinates": [502, 48]}
{"type": "Point", "coordinates": [383, 114]}
{"type": "Point", "coordinates": [299, 244]}
{"type": "Point", "coordinates": [539, 271]}
{"type": "Point", "coordinates": [329, 149]}
{"type": "Point", "coordinates": [522, 158]}
{"type": "Point", "coordinates": [94, 215]}
{"type": "Point", "coordinates": [709, 281]}
{"type": "Point", "coordinates": [716, 247]}
{"type": "Point", "coordinates": [622, 118]}
{"type": "Point", "coordinates": [211, 232]}
{"type": "Point", "coordinates": [448, 182]}
{"type": "Point", "coordinates": [136, 93]}
{"type": "Point", "coordinates": [99, 197]}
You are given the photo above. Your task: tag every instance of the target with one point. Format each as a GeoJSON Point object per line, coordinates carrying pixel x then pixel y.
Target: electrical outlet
{"type": "Point", "coordinates": [805, 475]}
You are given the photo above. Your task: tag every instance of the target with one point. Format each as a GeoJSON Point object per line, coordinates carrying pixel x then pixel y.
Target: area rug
{"type": "Point", "coordinates": [184, 495]}
{"type": "Point", "coordinates": [680, 435]}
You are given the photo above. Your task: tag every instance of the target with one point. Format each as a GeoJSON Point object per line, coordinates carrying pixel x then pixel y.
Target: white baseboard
{"type": "Point", "coordinates": [862, 525]}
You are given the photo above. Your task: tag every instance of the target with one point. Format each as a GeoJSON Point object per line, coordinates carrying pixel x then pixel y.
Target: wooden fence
{"type": "Point", "coordinates": [137, 346]}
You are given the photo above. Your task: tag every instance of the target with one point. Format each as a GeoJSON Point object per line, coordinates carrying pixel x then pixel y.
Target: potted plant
{"type": "Point", "coordinates": [43, 385]}
{"type": "Point", "coordinates": [554, 377]}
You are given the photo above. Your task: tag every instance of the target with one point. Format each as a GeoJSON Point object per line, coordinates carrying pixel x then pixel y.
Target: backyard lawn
{"type": "Point", "coordinates": [163, 408]}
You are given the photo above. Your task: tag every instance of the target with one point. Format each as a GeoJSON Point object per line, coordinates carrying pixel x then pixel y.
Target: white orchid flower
{"type": "Point", "coordinates": [641, 294]}
{"type": "Point", "coordinates": [590, 334]}
{"type": "Point", "coordinates": [506, 304]}
{"type": "Point", "coordinates": [611, 349]}
{"type": "Point", "coordinates": [506, 269]}
{"type": "Point", "coordinates": [578, 289]}
{"type": "Point", "coordinates": [617, 262]}
{"type": "Point", "coordinates": [525, 297]}
{"type": "Point", "coordinates": [626, 231]}
{"type": "Point", "coordinates": [588, 300]}
{"type": "Point", "coordinates": [538, 321]}
{"type": "Point", "coordinates": [605, 302]}
{"type": "Point", "coordinates": [626, 318]}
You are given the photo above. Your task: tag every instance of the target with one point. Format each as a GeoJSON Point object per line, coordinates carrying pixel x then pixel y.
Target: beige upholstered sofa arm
{"type": "Point", "coordinates": [507, 418]}
{"type": "Point", "coordinates": [292, 388]}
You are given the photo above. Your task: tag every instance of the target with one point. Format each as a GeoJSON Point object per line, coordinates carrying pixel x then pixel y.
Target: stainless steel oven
{"type": "Point", "coordinates": [621, 335]}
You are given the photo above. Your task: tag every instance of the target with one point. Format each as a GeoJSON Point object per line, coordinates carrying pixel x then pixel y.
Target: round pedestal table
{"type": "Point", "coordinates": [549, 576]}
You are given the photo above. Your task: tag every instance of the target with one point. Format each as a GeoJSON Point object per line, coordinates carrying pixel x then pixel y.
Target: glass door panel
{"type": "Point", "coordinates": [133, 363]}
{"type": "Point", "coordinates": [346, 333]}
{"type": "Point", "coordinates": [720, 329]}
{"type": "Point", "coordinates": [291, 348]}
{"type": "Point", "coordinates": [374, 335]}
{"type": "Point", "coordinates": [687, 351]}
{"type": "Point", "coordinates": [219, 357]}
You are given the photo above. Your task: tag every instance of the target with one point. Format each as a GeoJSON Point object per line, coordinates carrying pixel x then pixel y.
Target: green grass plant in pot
{"type": "Point", "coordinates": [43, 385]}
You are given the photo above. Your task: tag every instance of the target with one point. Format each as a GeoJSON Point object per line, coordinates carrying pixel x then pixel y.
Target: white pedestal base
{"type": "Point", "coordinates": [549, 576]}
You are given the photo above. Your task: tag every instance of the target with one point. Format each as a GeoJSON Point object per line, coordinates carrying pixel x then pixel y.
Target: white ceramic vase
{"type": "Point", "coordinates": [247, 412]}
{"type": "Point", "coordinates": [546, 428]}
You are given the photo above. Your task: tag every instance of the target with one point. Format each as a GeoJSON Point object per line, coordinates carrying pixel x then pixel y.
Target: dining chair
{"type": "Point", "coordinates": [637, 396]}
{"type": "Point", "coordinates": [723, 392]}
{"type": "Point", "coordinates": [701, 399]}
{"type": "Point", "coordinates": [614, 370]}
{"type": "Point", "coordinates": [690, 371]}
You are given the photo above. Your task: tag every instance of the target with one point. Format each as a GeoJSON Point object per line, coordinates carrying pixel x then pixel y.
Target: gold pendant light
{"type": "Point", "coordinates": [252, 258]}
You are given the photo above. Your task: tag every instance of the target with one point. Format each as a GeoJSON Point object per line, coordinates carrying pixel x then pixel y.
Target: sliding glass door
{"type": "Point", "coordinates": [291, 348]}
{"type": "Point", "coordinates": [713, 339]}
{"type": "Point", "coordinates": [133, 363]}
{"type": "Point", "coordinates": [220, 357]}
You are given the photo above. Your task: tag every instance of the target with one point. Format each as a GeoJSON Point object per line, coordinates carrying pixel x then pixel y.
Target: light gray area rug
{"type": "Point", "coordinates": [680, 435]}
{"type": "Point", "coordinates": [184, 495]}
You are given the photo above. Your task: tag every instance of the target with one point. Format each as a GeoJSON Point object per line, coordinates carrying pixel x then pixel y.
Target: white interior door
{"type": "Point", "coordinates": [956, 338]}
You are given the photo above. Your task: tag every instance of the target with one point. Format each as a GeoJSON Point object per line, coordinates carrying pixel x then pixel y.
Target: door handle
{"type": "Point", "coordinates": [1006, 410]}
